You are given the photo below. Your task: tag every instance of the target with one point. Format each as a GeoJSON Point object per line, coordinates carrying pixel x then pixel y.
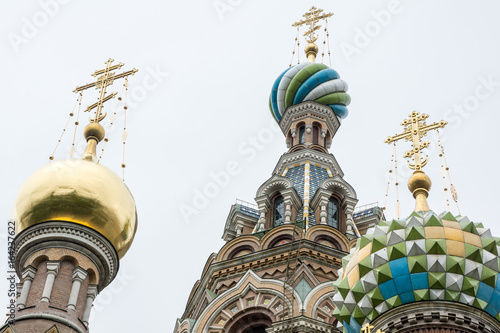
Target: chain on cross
{"type": "Point", "coordinates": [105, 78]}
{"type": "Point", "coordinates": [415, 129]}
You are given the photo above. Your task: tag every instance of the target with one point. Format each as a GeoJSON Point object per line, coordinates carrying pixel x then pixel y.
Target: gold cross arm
{"type": "Point", "coordinates": [114, 77]}
{"type": "Point", "coordinates": [105, 99]}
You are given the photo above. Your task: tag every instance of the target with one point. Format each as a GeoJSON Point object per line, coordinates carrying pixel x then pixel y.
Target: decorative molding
{"type": "Point", "coordinates": [302, 324]}
{"type": "Point", "coordinates": [311, 155]}
{"type": "Point", "coordinates": [72, 236]}
{"type": "Point", "coordinates": [313, 109]}
{"type": "Point", "coordinates": [436, 314]}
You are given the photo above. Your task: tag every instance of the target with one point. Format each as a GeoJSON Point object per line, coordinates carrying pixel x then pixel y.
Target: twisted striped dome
{"type": "Point", "coordinates": [309, 82]}
{"type": "Point", "coordinates": [422, 258]}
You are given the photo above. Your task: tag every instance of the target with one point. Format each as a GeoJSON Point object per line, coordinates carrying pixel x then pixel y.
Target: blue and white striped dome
{"type": "Point", "coordinates": [309, 82]}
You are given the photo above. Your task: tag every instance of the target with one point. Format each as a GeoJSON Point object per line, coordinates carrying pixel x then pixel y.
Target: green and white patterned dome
{"type": "Point", "coordinates": [422, 258]}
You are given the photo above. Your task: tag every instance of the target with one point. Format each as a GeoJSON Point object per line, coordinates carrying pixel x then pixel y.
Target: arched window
{"type": "Point", "coordinates": [302, 134]}
{"type": "Point", "coordinates": [279, 211]}
{"type": "Point", "coordinates": [333, 213]}
{"type": "Point", "coordinates": [315, 135]}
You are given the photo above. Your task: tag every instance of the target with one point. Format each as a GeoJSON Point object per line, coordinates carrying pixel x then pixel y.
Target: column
{"type": "Point", "coordinates": [28, 274]}
{"type": "Point", "coordinates": [261, 224]}
{"type": "Point", "coordinates": [79, 274]}
{"type": "Point", "coordinates": [288, 210]}
{"type": "Point", "coordinates": [52, 270]}
{"type": "Point", "coordinates": [324, 214]}
{"type": "Point", "coordinates": [91, 295]}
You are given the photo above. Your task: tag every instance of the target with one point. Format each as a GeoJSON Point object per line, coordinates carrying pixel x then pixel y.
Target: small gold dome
{"type": "Point", "coordinates": [419, 180]}
{"type": "Point", "coordinates": [81, 192]}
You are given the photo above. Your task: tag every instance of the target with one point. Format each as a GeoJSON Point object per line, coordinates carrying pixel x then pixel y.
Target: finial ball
{"type": "Point", "coordinates": [311, 47]}
{"type": "Point", "coordinates": [94, 130]}
{"type": "Point", "coordinates": [419, 180]}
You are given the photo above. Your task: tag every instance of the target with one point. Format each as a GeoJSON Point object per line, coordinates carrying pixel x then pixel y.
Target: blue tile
{"type": "Point", "coordinates": [407, 297]}
{"type": "Point", "coordinates": [419, 281]}
{"type": "Point", "coordinates": [354, 325]}
{"type": "Point", "coordinates": [495, 300]}
{"type": "Point", "coordinates": [388, 289]}
{"type": "Point", "coordinates": [403, 284]}
{"type": "Point", "coordinates": [497, 285]}
{"type": "Point", "coordinates": [484, 292]}
{"type": "Point", "coordinates": [399, 267]}
{"type": "Point", "coordinates": [491, 310]}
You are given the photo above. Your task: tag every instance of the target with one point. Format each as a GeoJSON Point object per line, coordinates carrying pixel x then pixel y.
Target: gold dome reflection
{"type": "Point", "coordinates": [82, 192]}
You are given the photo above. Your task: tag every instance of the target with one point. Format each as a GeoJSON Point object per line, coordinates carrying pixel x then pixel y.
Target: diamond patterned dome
{"type": "Point", "coordinates": [424, 257]}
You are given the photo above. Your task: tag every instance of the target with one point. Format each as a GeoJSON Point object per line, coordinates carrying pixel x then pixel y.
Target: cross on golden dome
{"type": "Point", "coordinates": [106, 78]}
{"type": "Point", "coordinates": [415, 129]}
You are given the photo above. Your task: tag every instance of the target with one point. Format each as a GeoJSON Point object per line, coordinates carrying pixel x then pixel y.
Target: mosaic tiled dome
{"type": "Point", "coordinates": [309, 82]}
{"type": "Point", "coordinates": [425, 257]}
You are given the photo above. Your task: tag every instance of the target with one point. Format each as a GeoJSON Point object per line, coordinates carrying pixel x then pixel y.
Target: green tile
{"type": "Point", "coordinates": [417, 264]}
{"type": "Point", "coordinates": [451, 295]}
{"type": "Point", "coordinates": [455, 265]}
{"type": "Point", "coordinates": [435, 246]}
{"type": "Point", "coordinates": [473, 253]}
{"type": "Point", "coordinates": [470, 286]}
{"type": "Point", "coordinates": [415, 233]}
{"type": "Point", "coordinates": [421, 295]}
{"type": "Point", "coordinates": [365, 266]}
{"type": "Point", "coordinates": [489, 276]}
{"type": "Point", "coordinates": [437, 280]}
{"type": "Point", "coordinates": [375, 296]}
{"type": "Point", "coordinates": [396, 251]}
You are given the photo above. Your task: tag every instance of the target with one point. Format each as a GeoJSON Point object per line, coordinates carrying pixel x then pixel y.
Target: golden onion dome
{"type": "Point", "coordinates": [79, 191]}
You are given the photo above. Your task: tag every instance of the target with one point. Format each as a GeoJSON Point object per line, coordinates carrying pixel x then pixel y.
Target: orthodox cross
{"type": "Point", "coordinates": [368, 329]}
{"type": "Point", "coordinates": [415, 129]}
{"type": "Point", "coordinates": [312, 17]}
{"type": "Point", "coordinates": [105, 79]}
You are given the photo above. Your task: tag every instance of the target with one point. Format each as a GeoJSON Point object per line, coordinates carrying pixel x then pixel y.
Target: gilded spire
{"type": "Point", "coordinates": [415, 129]}
{"type": "Point", "coordinates": [312, 17]}
{"type": "Point", "coordinates": [94, 132]}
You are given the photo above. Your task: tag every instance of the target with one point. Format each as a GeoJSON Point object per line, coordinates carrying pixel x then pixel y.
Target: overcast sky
{"type": "Point", "coordinates": [200, 102]}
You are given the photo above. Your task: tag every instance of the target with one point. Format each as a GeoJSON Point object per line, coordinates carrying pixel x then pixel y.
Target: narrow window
{"type": "Point", "coordinates": [302, 134]}
{"type": "Point", "coordinates": [315, 135]}
{"type": "Point", "coordinates": [333, 213]}
{"type": "Point", "coordinates": [279, 211]}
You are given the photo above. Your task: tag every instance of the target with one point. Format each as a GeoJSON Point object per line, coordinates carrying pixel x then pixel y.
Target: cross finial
{"type": "Point", "coordinates": [106, 78]}
{"type": "Point", "coordinates": [367, 328]}
{"type": "Point", "coordinates": [312, 17]}
{"type": "Point", "coordinates": [94, 132]}
{"type": "Point", "coordinates": [415, 129]}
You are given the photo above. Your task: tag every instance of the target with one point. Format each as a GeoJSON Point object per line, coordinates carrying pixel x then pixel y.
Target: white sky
{"type": "Point", "coordinates": [429, 56]}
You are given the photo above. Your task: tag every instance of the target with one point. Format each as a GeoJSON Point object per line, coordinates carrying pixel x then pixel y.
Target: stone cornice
{"type": "Point", "coordinates": [313, 156]}
{"type": "Point", "coordinates": [432, 314]}
{"type": "Point", "coordinates": [314, 251]}
{"type": "Point", "coordinates": [61, 234]}
{"type": "Point", "coordinates": [316, 110]}
{"type": "Point", "coordinates": [302, 324]}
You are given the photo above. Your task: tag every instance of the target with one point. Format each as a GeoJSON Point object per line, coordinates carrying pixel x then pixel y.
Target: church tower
{"type": "Point", "coordinates": [74, 220]}
{"type": "Point", "coordinates": [281, 255]}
